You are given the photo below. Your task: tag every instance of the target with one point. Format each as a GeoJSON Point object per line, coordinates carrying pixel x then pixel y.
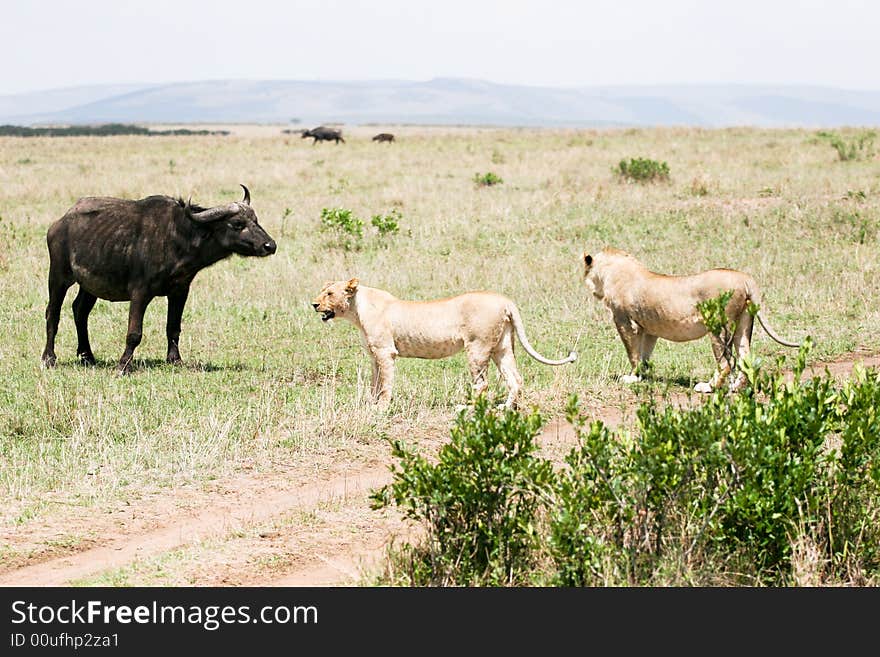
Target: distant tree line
{"type": "Point", "coordinates": [105, 130]}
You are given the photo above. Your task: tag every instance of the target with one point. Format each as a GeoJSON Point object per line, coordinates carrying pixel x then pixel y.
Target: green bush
{"type": "Point", "coordinates": [487, 179]}
{"type": "Point", "coordinates": [479, 502]}
{"type": "Point", "coordinates": [719, 494]}
{"type": "Point", "coordinates": [346, 228]}
{"type": "Point", "coordinates": [860, 147]}
{"type": "Point", "coordinates": [731, 483]}
{"type": "Point", "coordinates": [387, 224]}
{"type": "Point", "coordinates": [640, 169]}
{"type": "Point", "coordinates": [590, 494]}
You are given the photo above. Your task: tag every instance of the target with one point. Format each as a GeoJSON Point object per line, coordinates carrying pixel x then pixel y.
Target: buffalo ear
{"type": "Point", "coordinates": [588, 259]}
{"type": "Point", "coordinates": [352, 286]}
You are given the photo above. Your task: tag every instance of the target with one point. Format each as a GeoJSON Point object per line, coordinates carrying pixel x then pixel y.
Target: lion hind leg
{"type": "Point", "coordinates": [742, 339]}
{"type": "Point", "coordinates": [505, 361]}
{"type": "Point", "coordinates": [646, 349]}
{"type": "Point", "coordinates": [478, 364]}
{"type": "Point", "coordinates": [722, 368]}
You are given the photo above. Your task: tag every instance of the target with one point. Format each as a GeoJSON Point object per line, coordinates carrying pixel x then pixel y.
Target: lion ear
{"type": "Point", "coordinates": [588, 259]}
{"type": "Point", "coordinates": [352, 286]}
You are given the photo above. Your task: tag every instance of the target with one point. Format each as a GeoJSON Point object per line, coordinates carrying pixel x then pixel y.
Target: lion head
{"type": "Point", "coordinates": [591, 277]}
{"type": "Point", "coordinates": [334, 300]}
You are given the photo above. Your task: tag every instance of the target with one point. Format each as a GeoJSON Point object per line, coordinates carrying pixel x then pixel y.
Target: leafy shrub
{"type": "Point", "coordinates": [487, 179]}
{"type": "Point", "coordinates": [589, 494]}
{"type": "Point", "coordinates": [857, 225]}
{"type": "Point", "coordinates": [347, 229]}
{"type": "Point", "coordinates": [860, 147]}
{"type": "Point", "coordinates": [733, 480]}
{"type": "Point", "coordinates": [721, 493]}
{"type": "Point", "coordinates": [387, 224]}
{"type": "Point", "coordinates": [640, 169]}
{"type": "Point", "coordinates": [856, 195]}
{"type": "Point", "coordinates": [479, 503]}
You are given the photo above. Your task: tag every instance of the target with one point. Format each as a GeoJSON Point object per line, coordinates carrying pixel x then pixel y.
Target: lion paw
{"type": "Point", "coordinates": [703, 386]}
{"type": "Point", "coordinates": [630, 378]}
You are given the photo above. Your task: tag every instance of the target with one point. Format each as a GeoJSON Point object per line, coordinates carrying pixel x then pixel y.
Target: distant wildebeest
{"type": "Point", "coordinates": [384, 136]}
{"type": "Point", "coordinates": [323, 134]}
{"type": "Point", "coordinates": [127, 250]}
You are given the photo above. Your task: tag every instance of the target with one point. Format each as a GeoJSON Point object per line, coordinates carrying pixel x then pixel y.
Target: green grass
{"type": "Point", "coordinates": [265, 380]}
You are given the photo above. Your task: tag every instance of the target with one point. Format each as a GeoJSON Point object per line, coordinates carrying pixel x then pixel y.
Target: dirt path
{"type": "Point", "coordinates": [263, 529]}
{"type": "Point", "coordinates": [230, 514]}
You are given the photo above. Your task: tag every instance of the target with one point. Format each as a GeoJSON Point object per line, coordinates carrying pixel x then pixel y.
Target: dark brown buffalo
{"type": "Point", "coordinates": [323, 134]}
{"type": "Point", "coordinates": [384, 136]}
{"type": "Point", "coordinates": [126, 250]}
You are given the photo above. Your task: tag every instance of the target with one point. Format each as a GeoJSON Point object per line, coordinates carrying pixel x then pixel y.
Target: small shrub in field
{"type": "Point", "coordinates": [859, 226]}
{"type": "Point", "coordinates": [857, 148]}
{"type": "Point", "coordinates": [730, 484]}
{"type": "Point", "coordinates": [479, 503]}
{"type": "Point", "coordinates": [347, 229]}
{"type": "Point", "coordinates": [487, 179]}
{"type": "Point", "coordinates": [725, 492]}
{"type": "Point", "coordinates": [640, 169]}
{"type": "Point", "coordinates": [856, 195]}
{"type": "Point", "coordinates": [387, 224]}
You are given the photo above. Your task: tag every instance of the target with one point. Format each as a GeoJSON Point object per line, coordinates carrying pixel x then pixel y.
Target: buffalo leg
{"type": "Point", "coordinates": [176, 302]}
{"type": "Point", "coordinates": [136, 310]}
{"type": "Point", "coordinates": [82, 306]}
{"type": "Point", "coordinates": [58, 286]}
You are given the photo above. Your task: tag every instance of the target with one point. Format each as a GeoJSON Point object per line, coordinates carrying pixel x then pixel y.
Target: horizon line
{"type": "Point", "coordinates": [802, 85]}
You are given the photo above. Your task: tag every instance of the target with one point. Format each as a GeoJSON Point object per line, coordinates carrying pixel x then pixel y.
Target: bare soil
{"type": "Point", "coordinates": [293, 526]}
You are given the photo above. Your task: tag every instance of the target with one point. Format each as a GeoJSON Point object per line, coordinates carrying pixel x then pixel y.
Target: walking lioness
{"type": "Point", "coordinates": [481, 323]}
{"type": "Point", "coordinates": [646, 306]}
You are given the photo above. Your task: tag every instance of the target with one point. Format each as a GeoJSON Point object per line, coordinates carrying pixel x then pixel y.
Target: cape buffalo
{"type": "Point", "coordinates": [323, 134]}
{"type": "Point", "coordinates": [126, 250]}
{"type": "Point", "coordinates": [384, 136]}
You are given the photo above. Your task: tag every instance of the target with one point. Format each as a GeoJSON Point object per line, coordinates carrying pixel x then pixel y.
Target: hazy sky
{"type": "Point", "coordinates": [54, 43]}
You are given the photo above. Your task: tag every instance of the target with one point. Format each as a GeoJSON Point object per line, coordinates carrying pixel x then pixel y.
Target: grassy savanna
{"type": "Point", "coordinates": [264, 381]}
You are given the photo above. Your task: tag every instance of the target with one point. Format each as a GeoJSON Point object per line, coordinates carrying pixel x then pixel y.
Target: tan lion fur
{"type": "Point", "coordinates": [646, 306]}
{"type": "Point", "coordinates": [481, 323]}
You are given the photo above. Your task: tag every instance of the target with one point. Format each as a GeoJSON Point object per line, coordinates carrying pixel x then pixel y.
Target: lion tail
{"type": "Point", "coordinates": [755, 296]}
{"type": "Point", "coordinates": [516, 320]}
{"type": "Point", "coordinates": [773, 333]}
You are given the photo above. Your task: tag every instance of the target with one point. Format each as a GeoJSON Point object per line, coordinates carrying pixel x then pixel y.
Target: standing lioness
{"type": "Point", "coordinates": [481, 323]}
{"type": "Point", "coordinates": [646, 306]}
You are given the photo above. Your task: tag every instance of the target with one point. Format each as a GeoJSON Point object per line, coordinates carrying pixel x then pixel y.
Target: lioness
{"type": "Point", "coordinates": [646, 306]}
{"type": "Point", "coordinates": [481, 323]}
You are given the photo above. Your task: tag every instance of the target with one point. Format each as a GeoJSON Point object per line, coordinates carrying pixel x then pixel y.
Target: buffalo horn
{"type": "Point", "coordinates": [215, 214]}
{"type": "Point", "coordinates": [247, 195]}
